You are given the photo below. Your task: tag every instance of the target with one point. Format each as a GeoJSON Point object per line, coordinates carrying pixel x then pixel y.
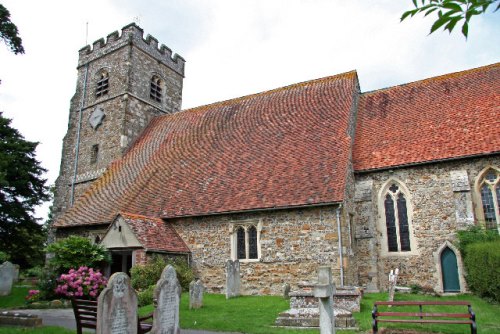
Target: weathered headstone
{"type": "Point", "coordinates": [324, 290]}
{"type": "Point", "coordinates": [16, 273]}
{"type": "Point", "coordinates": [286, 291]}
{"type": "Point", "coordinates": [196, 294]}
{"type": "Point", "coordinates": [117, 307]}
{"type": "Point", "coordinates": [167, 296]}
{"type": "Point", "coordinates": [393, 278]}
{"type": "Point", "coordinates": [7, 273]}
{"type": "Point", "coordinates": [232, 278]}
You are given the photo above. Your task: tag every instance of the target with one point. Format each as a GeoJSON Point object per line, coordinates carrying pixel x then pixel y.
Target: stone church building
{"type": "Point", "coordinates": [315, 173]}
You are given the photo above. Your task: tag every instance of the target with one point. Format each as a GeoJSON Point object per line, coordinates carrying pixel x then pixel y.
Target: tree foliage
{"type": "Point", "coordinates": [9, 32]}
{"type": "Point", "coordinates": [75, 252]}
{"type": "Point", "coordinates": [451, 12]}
{"type": "Point", "coordinates": [22, 188]}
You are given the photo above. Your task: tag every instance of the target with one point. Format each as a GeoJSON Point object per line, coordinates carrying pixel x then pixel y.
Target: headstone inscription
{"type": "Point", "coordinates": [324, 290]}
{"type": "Point", "coordinates": [117, 307]}
{"type": "Point", "coordinates": [196, 294]}
{"type": "Point", "coordinates": [232, 278]}
{"type": "Point", "coordinates": [7, 273]}
{"type": "Point", "coordinates": [167, 296]}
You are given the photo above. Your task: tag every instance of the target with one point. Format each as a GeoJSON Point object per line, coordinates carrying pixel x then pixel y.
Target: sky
{"type": "Point", "coordinates": [232, 48]}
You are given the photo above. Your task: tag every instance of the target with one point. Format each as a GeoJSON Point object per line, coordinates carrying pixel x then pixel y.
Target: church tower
{"type": "Point", "coordinates": [122, 84]}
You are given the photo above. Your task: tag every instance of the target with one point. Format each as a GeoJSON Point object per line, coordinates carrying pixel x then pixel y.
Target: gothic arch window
{"type": "Point", "coordinates": [156, 89]}
{"type": "Point", "coordinates": [102, 83]}
{"type": "Point", "coordinates": [488, 187]}
{"type": "Point", "coordinates": [396, 219]}
{"type": "Point", "coordinates": [246, 242]}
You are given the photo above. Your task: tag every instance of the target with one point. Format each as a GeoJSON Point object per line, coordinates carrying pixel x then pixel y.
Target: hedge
{"type": "Point", "coordinates": [483, 269]}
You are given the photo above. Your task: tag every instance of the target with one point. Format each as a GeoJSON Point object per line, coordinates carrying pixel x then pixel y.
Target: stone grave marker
{"type": "Point", "coordinates": [7, 273]}
{"type": "Point", "coordinates": [286, 291]}
{"type": "Point", "coordinates": [117, 307]}
{"type": "Point", "coordinates": [16, 273]}
{"type": "Point", "coordinates": [232, 278]}
{"type": "Point", "coordinates": [167, 296]}
{"type": "Point", "coordinates": [196, 289]}
{"type": "Point", "coordinates": [393, 278]}
{"type": "Point", "coordinates": [324, 290]}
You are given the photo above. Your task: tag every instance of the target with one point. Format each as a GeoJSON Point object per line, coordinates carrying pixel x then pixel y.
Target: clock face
{"type": "Point", "coordinates": [96, 117]}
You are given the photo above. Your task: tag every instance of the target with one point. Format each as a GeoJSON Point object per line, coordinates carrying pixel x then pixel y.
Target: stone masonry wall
{"type": "Point", "coordinates": [293, 244]}
{"type": "Point", "coordinates": [442, 203]}
{"type": "Point", "coordinates": [131, 62]}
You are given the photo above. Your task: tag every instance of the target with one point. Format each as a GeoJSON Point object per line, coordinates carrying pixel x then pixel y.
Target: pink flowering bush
{"type": "Point", "coordinates": [33, 296]}
{"type": "Point", "coordinates": [84, 282]}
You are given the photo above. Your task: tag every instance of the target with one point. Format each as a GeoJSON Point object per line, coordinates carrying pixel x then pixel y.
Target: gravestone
{"type": "Point", "coordinates": [16, 273]}
{"type": "Point", "coordinates": [324, 290]}
{"type": "Point", "coordinates": [393, 278]}
{"type": "Point", "coordinates": [286, 291]}
{"type": "Point", "coordinates": [7, 273]}
{"type": "Point", "coordinates": [117, 307]}
{"type": "Point", "coordinates": [232, 278]}
{"type": "Point", "coordinates": [167, 296]}
{"type": "Point", "coordinates": [196, 294]}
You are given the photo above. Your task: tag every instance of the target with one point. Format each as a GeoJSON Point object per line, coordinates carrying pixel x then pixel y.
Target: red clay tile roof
{"type": "Point", "coordinates": [450, 116]}
{"type": "Point", "coordinates": [281, 148]}
{"type": "Point", "coordinates": [154, 234]}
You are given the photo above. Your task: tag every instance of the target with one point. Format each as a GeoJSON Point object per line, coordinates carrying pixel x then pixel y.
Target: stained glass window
{"type": "Point", "coordinates": [240, 240]}
{"type": "Point", "coordinates": [490, 198]}
{"type": "Point", "coordinates": [252, 243]}
{"type": "Point", "coordinates": [396, 220]}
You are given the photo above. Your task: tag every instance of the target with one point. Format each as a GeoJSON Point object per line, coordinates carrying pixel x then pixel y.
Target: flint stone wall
{"type": "Point", "coordinates": [293, 244]}
{"type": "Point", "coordinates": [442, 196]}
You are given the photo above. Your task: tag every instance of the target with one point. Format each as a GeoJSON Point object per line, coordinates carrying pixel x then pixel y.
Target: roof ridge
{"type": "Point", "coordinates": [268, 92]}
{"type": "Point", "coordinates": [435, 78]}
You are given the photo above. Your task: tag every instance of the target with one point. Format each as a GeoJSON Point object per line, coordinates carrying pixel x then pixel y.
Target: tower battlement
{"type": "Point", "coordinates": [131, 34]}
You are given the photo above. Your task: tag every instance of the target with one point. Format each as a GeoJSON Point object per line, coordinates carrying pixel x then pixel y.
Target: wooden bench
{"type": "Point", "coordinates": [423, 317]}
{"type": "Point", "coordinates": [86, 316]}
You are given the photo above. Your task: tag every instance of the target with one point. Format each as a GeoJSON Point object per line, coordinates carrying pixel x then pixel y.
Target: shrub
{"type": "Point", "coordinates": [75, 252]}
{"type": "Point", "coordinates": [143, 276]}
{"type": "Point", "coordinates": [475, 234]}
{"type": "Point", "coordinates": [4, 257]}
{"type": "Point", "coordinates": [483, 269]}
{"type": "Point", "coordinates": [33, 296]}
{"type": "Point", "coordinates": [84, 282]}
{"type": "Point", "coordinates": [145, 297]}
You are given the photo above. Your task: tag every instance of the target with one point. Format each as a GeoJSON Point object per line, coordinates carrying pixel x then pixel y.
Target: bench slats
{"type": "Point", "coordinates": [424, 314]}
{"type": "Point", "coordinates": [418, 317]}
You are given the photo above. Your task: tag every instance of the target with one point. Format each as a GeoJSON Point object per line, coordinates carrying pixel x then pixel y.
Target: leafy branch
{"type": "Point", "coordinates": [450, 12]}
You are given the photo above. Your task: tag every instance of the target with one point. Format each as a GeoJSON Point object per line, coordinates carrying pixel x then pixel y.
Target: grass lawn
{"type": "Point", "coordinates": [16, 298]}
{"type": "Point", "coordinates": [41, 330]}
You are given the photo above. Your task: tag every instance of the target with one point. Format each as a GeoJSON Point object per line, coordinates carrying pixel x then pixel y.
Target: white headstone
{"type": "Point", "coordinates": [324, 290]}
{"type": "Point", "coordinates": [167, 295]}
{"type": "Point", "coordinates": [117, 307]}
{"type": "Point", "coordinates": [232, 278]}
{"type": "Point", "coordinates": [7, 273]}
{"type": "Point", "coordinates": [196, 294]}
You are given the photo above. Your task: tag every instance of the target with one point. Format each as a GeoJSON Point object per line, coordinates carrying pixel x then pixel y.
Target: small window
{"type": "Point", "coordinates": [102, 86]}
{"type": "Point", "coordinates": [246, 243]}
{"type": "Point", "coordinates": [94, 154]}
{"type": "Point", "coordinates": [489, 188]}
{"type": "Point", "coordinates": [155, 92]}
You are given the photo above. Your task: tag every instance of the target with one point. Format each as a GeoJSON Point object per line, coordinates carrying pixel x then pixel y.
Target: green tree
{"type": "Point", "coordinates": [22, 188]}
{"type": "Point", "coordinates": [9, 32]}
{"type": "Point", "coordinates": [450, 12]}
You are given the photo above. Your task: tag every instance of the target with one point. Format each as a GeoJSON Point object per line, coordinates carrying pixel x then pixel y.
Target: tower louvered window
{"type": "Point", "coordinates": [490, 198]}
{"type": "Point", "coordinates": [156, 90]}
{"type": "Point", "coordinates": [102, 86]}
{"type": "Point", "coordinates": [396, 220]}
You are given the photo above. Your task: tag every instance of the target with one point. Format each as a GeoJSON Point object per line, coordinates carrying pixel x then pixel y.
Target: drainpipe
{"type": "Point", "coordinates": [341, 258]}
{"type": "Point", "coordinates": [77, 146]}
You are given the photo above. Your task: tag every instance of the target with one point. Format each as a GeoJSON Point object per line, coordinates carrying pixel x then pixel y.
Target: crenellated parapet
{"type": "Point", "coordinates": [131, 35]}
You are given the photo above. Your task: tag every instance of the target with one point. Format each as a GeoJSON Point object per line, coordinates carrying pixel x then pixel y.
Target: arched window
{"type": "Point", "coordinates": [102, 85]}
{"type": "Point", "coordinates": [241, 244]}
{"type": "Point", "coordinates": [397, 222]}
{"type": "Point", "coordinates": [246, 242]}
{"type": "Point", "coordinates": [156, 90]}
{"type": "Point", "coordinates": [489, 189]}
